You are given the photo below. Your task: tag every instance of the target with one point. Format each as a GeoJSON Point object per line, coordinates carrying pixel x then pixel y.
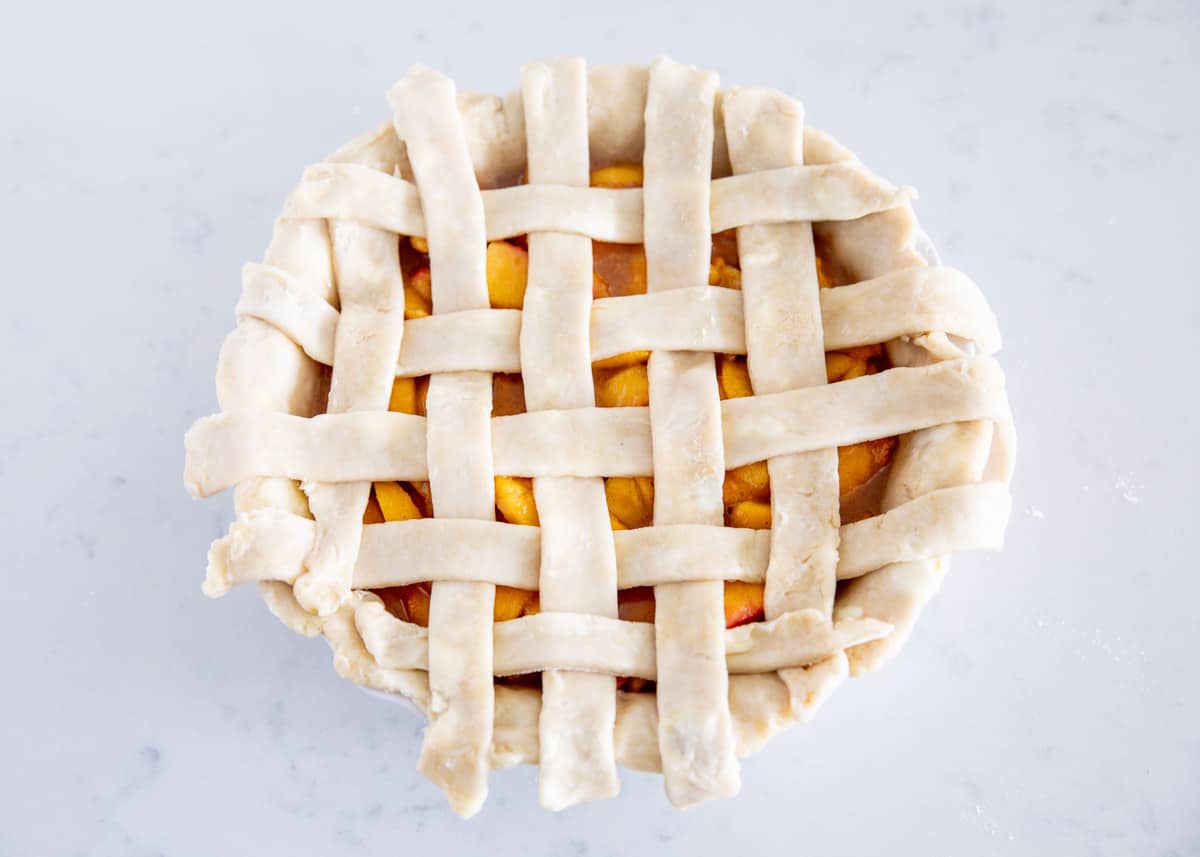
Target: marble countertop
{"type": "Point", "coordinates": [1048, 702]}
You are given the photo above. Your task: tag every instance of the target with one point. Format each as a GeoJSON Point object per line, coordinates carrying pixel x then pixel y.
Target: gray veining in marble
{"type": "Point", "coordinates": [1048, 702]}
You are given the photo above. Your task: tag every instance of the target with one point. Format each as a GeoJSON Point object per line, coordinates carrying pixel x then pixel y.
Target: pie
{"type": "Point", "coordinates": [612, 422]}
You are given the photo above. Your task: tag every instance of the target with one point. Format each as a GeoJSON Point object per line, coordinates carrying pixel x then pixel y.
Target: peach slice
{"type": "Point", "coordinates": [618, 176]}
{"type": "Point", "coordinates": [395, 503]}
{"type": "Point", "coordinates": [721, 273]}
{"type": "Point", "coordinates": [511, 603]}
{"type": "Point", "coordinates": [623, 388]}
{"type": "Point", "coordinates": [410, 602]}
{"type": "Point", "coordinates": [733, 378]}
{"type": "Point", "coordinates": [630, 500]}
{"type": "Point", "coordinates": [748, 482]}
{"type": "Point", "coordinates": [507, 275]}
{"type": "Point", "coordinates": [404, 396]}
{"type": "Point", "coordinates": [743, 603]}
{"type": "Point", "coordinates": [859, 462]}
{"type": "Point", "coordinates": [842, 367]}
{"type": "Point", "coordinates": [514, 499]}
{"type": "Point", "coordinates": [751, 514]}
{"type": "Point", "coordinates": [853, 362]}
{"type": "Point", "coordinates": [418, 294]}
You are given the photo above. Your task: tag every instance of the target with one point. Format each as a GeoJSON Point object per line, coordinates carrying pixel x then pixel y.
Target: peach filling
{"type": "Point", "coordinates": [620, 381]}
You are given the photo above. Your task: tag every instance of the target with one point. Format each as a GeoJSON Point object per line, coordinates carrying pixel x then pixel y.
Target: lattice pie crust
{"type": "Point", "coordinates": [839, 598]}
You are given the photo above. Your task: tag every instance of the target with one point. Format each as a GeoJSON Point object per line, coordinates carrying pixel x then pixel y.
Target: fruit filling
{"type": "Point", "coordinates": [620, 381]}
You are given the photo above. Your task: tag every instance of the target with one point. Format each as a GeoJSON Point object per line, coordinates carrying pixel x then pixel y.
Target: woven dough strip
{"type": "Point", "coordinates": [833, 192]}
{"type": "Point", "coordinates": [224, 449]}
{"type": "Point", "coordinates": [578, 569]}
{"type": "Point", "coordinates": [458, 442]}
{"type": "Point", "coordinates": [904, 303]}
{"type": "Point", "coordinates": [694, 730]}
{"type": "Point", "coordinates": [270, 544]}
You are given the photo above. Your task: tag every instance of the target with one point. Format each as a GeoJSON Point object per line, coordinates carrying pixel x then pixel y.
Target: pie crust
{"type": "Point", "coordinates": [301, 443]}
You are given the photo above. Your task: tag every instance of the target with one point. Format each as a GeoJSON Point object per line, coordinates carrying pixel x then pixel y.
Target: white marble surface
{"type": "Point", "coordinates": [1048, 703]}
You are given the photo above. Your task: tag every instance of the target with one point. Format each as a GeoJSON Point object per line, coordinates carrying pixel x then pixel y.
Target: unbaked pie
{"type": "Point", "coordinates": [612, 422]}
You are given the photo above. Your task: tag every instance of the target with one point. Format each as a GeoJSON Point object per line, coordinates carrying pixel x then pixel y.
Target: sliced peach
{"type": "Point", "coordinates": [511, 603]}
{"type": "Point", "coordinates": [630, 500]}
{"type": "Point", "coordinates": [748, 482]}
{"type": "Point", "coordinates": [743, 603]}
{"type": "Point", "coordinates": [404, 396]}
{"type": "Point", "coordinates": [733, 378]}
{"type": "Point", "coordinates": [853, 362]}
{"type": "Point", "coordinates": [507, 275]}
{"type": "Point", "coordinates": [395, 503]}
{"type": "Point", "coordinates": [421, 282]}
{"type": "Point", "coordinates": [410, 603]}
{"type": "Point", "coordinates": [617, 176]}
{"type": "Point", "coordinates": [751, 514]}
{"type": "Point", "coordinates": [418, 295]}
{"type": "Point", "coordinates": [721, 273]}
{"type": "Point", "coordinates": [415, 306]}
{"type": "Point", "coordinates": [618, 361]}
{"type": "Point", "coordinates": [841, 367]}
{"type": "Point", "coordinates": [859, 462]}
{"type": "Point", "coordinates": [623, 388]}
{"type": "Point", "coordinates": [514, 499]}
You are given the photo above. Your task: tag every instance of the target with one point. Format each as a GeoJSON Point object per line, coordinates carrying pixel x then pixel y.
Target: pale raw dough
{"type": "Point", "coordinates": [227, 448]}
{"type": "Point", "coordinates": [577, 578]}
{"type": "Point", "coordinates": [271, 544]}
{"type": "Point", "coordinates": [828, 192]}
{"type": "Point", "coordinates": [455, 754]}
{"type": "Point", "coordinates": [448, 168]}
{"type": "Point", "coordinates": [905, 303]}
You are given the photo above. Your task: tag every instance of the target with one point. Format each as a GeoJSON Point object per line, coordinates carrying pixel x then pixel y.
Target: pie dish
{"type": "Point", "coordinates": [612, 422]}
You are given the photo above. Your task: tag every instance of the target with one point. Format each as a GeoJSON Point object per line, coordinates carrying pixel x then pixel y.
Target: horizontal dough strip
{"type": "Point", "coordinates": [270, 544]}
{"type": "Point", "coordinates": [841, 191]}
{"type": "Point", "coordinates": [227, 448]}
{"type": "Point", "coordinates": [893, 402]}
{"type": "Point", "coordinates": [578, 641]}
{"type": "Point", "coordinates": [700, 318]}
